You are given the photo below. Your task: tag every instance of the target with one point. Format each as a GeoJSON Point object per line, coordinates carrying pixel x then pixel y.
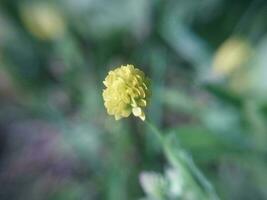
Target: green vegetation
{"type": "Point", "coordinates": [208, 67]}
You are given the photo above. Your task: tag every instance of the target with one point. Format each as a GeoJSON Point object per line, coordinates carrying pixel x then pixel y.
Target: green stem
{"type": "Point", "coordinates": [181, 160]}
{"type": "Point", "coordinates": [156, 132]}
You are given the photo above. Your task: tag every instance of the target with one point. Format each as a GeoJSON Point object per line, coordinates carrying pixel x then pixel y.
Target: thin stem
{"type": "Point", "coordinates": [155, 131]}
{"type": "Point", "coordinates": [180, 159]}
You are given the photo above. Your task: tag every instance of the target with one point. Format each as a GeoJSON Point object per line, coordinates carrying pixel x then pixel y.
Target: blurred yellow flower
{"type": "Point", "coordinates": [126, 92]}
{"type": "Point", "coordinates": [232, 54]}
{"type": "Point", "coordinates": [42, 20]}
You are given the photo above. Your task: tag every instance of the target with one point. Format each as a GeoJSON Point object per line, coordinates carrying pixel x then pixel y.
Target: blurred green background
{"type": "Point", "coordinates": [208, 64]}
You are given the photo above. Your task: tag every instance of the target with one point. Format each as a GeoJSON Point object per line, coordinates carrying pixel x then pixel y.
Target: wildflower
{"type": "Point", "coordinates": [231, 55]}
{"type": "Point", "coordinates": [42, 20]}
{"type": "Point", "coordinates": [126, 92]}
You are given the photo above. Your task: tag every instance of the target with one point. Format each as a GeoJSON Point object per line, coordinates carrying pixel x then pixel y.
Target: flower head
{"type": "Point", "coordinates": [231, 55]}
{"type": "Point", "coordinates": [42, 20]}
{"type": "Point", "coordinates": [126, 92]}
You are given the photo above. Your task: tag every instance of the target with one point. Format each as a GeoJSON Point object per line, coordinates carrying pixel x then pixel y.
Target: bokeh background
{"type": "Point", "coordinates": [207, 61]}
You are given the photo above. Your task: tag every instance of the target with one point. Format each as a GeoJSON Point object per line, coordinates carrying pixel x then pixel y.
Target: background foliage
{"type": "Point", "coordinates": [207, 62]}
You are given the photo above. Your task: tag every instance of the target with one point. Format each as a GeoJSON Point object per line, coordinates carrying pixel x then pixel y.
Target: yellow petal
{"type": "Point", "coordinates": [142, 103]}
{"type": "Point", "coordinates": [137, 111]}
{"type": "Point", "coordinates": [117, 117]}
{"type": "Point", "coordinates": [142, 116]}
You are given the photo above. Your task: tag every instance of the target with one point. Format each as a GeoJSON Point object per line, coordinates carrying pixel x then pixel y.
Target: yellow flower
{"type": "Point", "coordinates": [231, 55]}
{"type": "Point", "coordinates": [126, 92]}
{"type": "Point", "coordinates": [42, 20]}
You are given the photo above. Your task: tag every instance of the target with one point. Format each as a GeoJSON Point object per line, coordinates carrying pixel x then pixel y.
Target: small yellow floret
{"type": "Point", "coordinates": [126, 92]}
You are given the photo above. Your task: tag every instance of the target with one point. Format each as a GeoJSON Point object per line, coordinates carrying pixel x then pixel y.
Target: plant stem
{"type": "Point", "coordinates": [180, 159]}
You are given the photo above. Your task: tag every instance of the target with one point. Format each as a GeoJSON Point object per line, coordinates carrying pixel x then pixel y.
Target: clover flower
{"type": "Point", "coordinates": [42, 20]}
{"type": "Point", "coordinates": [126, 92]}
{"type": "Point", "coordinates": [231, 55]}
